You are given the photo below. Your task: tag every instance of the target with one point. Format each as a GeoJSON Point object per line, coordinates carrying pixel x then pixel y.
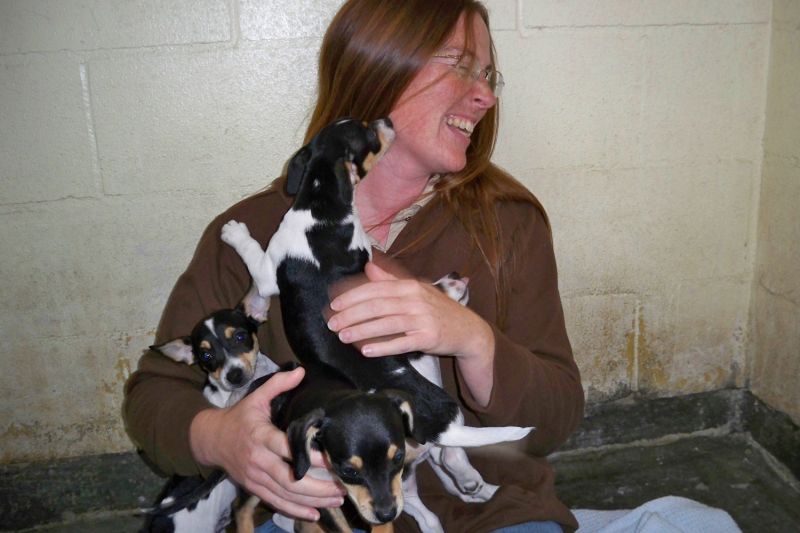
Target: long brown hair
{"type": "Point", "coordinates": [371, 51]}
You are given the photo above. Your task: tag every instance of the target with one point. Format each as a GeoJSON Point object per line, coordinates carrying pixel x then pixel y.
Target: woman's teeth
{"type": "Point", "coordinates": [467, 126]}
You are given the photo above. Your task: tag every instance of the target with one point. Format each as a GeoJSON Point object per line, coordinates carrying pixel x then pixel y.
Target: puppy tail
{"type": "Point", "coordinates": [471, 437]}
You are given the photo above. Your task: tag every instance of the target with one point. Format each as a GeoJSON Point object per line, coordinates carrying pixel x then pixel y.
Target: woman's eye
{"type": "Point", "coordinates": [463, 70]}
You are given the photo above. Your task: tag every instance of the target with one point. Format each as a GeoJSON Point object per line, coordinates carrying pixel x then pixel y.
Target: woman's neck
{"type": "Point", "coordinates": [383, 194]}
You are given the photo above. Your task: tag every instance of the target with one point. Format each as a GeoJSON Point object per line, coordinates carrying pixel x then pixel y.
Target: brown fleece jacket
{"type": "Point", "coordinates": [536, 381]}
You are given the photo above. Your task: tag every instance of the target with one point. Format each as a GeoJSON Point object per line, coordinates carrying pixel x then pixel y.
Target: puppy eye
{"type": "Point", "coordinates": [398, 457]}
{"type": "Point", "coordinates": [206, 356]}
{"type": "Point", "coordinates": [240, 336]}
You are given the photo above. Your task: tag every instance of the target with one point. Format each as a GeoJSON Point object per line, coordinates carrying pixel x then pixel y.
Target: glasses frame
{"type": "Point", "coordinates": [474, 71]}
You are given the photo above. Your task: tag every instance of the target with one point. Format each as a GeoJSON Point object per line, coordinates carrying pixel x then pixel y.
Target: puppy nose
{"type": "Point", "coordinates": [234, 376]}
{"type": "Point", "coordinates": [386, 515]}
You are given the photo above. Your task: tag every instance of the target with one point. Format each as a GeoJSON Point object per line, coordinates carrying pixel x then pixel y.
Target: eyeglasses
{"type": "Point", "coordinates": [468, 67]}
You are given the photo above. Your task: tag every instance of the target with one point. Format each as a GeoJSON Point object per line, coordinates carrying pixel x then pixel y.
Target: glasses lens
{"type": "Point", "coordinates": [496, 82]}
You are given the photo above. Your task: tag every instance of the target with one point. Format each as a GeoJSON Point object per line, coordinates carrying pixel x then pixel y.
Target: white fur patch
{"type": "Point", "coordinates": [209, 323]}
{"type": "Point", "coordinates": [211, 514]}
{"type": "Point", "coordinates": [468, 437]}
{"type": "Point", "coordinates": [287, 241]}
{"type": "Point", "coordinates": [361, 240]}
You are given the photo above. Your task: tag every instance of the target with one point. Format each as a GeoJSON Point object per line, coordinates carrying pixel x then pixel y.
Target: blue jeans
{"type": "Point", "coordinates": [527, 527]}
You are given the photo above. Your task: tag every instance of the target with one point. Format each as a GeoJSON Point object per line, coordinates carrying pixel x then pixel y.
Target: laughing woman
{"type": "Point", "coordinates": [435, 203]}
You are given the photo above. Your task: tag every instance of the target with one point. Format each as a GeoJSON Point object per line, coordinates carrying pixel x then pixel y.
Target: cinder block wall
{"type": "Point", "coordinates": [776, 287]}
{"type": "Point", "coordinates": [128, 124]}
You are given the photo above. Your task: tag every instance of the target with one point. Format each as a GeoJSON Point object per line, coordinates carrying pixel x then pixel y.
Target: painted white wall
{"type": "Point", "coordinates": [127, 125]}
{"type": "Point", "coordinates": [776, 289]}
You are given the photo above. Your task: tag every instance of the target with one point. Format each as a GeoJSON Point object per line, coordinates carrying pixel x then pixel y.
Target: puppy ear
{"type": "Point", "coordinates": [302, 433]}
{"type": "Point", "coordinates": [296, 170]}
{"type": "Point", "coordinates": [254, 305]}
{"type": "Point", "coordinates": [179, 350]}
{"type": "Point", "coordinates": [402, 401]}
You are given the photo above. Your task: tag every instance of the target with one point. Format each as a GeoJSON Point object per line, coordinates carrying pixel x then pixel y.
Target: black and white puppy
{"type": "Point", "coordinates": [225, 346]}
{"type": "Point", "coordinates": [319, 241]}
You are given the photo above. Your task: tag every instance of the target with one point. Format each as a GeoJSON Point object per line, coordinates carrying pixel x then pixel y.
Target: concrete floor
{"type": "Point", "coordinates": [727, 471]}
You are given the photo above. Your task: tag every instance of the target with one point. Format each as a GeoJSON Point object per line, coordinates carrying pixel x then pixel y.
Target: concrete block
{"type": "Point", "coordinates": [46, 25]}
{"type": "Point", "coordinates": [692, 338]}
{"type": "Point", "coordinates": [45, 148]}
{"type": "Point", "coordinates": [703, 106]}
{"type": "Point", "coordinates": [502, 14]}
{"type": "Point", "coordinates": [775, 365]}
{"type": "Point", "coordinates": [782, 137]}
{"type": "Point", "coordinates": [94, 268]}
{"type": "Point", "coordinates": [633, 230]}
{"type": "Point", "coordinates": [601, 330]}
{"type": "Point", "coordinates": [786, 15]}
{"type": "Point", "coordinates": [779, 230]}
{"type": "Point", "coordinates": [572, 98]}
{"type": "Point", "coordinates": [201, 121]}
{"type": "Point", "coordinates": [549, 13]}
{"type": "Point", "coordinates": [710, 329]}
{"type": "Point", "coordinates": [285, 19]}
{"type": "Point", "coordinates": [83, 418]}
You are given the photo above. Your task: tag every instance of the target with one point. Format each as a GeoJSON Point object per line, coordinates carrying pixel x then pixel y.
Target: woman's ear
{"type": "Point", "coordinates": [302, 433]}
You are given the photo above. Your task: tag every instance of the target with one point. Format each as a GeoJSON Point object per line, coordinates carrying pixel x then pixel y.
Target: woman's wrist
{"type": "Point", "coordinates": [476, 361]}
{"type": "Point", "coordinates": [202, 435]}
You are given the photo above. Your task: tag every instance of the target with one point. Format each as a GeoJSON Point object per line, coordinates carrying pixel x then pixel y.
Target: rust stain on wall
{"type": "Point", "coordinates": [652, 375]}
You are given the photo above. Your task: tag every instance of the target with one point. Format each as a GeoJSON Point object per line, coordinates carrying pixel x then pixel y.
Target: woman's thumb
{"type": "Point", "coordinates": [279, 382]}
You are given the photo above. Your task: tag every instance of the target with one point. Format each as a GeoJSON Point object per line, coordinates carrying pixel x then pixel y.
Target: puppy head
{"type": "Point", "coordinates": [363, 438]}
{"type": "Point", "coordinates": [224, 345]}
{"type": "Point", "coordinates": [322, 174]}
{"type": "Point", "coordinates": [454, 286]}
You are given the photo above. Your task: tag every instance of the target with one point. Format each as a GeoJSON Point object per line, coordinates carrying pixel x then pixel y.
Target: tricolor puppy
{"type": "Point", "coordinates": [361, 434]}
{"type": "Point", "coordinates": [450, 464]}
{"type": "Point", "coordinates": [319, 241]}
{"type": "Point", "coordinates": [225, 346]}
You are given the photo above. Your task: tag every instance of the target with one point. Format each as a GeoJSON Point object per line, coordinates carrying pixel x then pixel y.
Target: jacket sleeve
{"type": "Point", "coordinates": [536, 381]}
{"type": "Point", "coordinates": [161, 396]}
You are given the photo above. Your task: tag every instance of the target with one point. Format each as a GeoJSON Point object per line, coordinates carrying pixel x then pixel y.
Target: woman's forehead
{"type": "Point", "coordinates": [456, 43]}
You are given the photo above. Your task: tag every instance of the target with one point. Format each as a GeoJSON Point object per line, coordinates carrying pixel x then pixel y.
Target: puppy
{"type": "Point", "coordinates": [225, 346]}
{"type": "Point", "coordinates": [450, 464]}
{"type": "Point", "coordinates": [320, 241]}
{"type": "Point", "coordinates": [362, 436]}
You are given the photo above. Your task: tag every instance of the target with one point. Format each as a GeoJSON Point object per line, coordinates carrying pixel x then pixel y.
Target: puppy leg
{"type": "Point", "coordinates": [244, 516]}
{"type": "Point", "coordinates": [458, 476]}
{"type": "Point", "coordinates": [255, 258]}
{"type": "Point", "coordinates": [458, 435]}
{"type": "Point", "coordinates": [426, 520]}
{"type": "Point", "coordinates": [330, 521]}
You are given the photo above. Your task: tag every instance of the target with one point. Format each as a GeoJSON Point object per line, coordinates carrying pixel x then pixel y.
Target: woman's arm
{"type": "Point", "coordinates": [523, 373]}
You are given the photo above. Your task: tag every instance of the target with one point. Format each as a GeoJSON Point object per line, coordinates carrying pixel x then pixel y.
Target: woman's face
{"type": "Point", "coordinates": [439, 109]}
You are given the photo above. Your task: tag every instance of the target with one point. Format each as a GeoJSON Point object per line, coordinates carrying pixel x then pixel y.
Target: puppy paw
{"type": "Point", "coordinates": [234, 232]}
{"type": "Point", "coordinates": [483, 494]}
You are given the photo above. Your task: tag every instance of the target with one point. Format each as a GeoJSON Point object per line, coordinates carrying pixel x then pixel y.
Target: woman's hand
{"type": "Point", "coordinates": [390, 316]}
{"type": "Point", "coordinates": [242, 440]}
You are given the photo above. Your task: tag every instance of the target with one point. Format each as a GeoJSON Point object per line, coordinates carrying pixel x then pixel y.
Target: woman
{"type": "Point", "coordinates": [436, 204]}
